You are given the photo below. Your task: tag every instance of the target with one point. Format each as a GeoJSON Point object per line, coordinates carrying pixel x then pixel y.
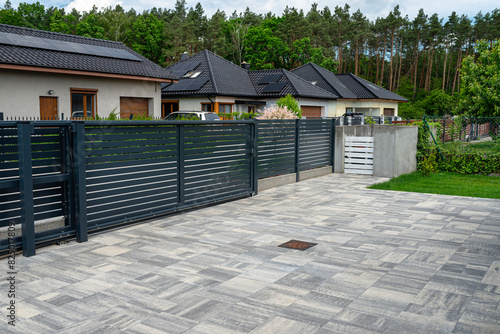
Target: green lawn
{"type": "Point", "coordinates": [484, 147]}
{"type": "Point", "coordinates": [445, 183]}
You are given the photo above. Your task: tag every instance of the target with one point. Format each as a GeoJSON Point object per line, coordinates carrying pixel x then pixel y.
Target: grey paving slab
{"type": "Point", "coordinates": [385, 262]}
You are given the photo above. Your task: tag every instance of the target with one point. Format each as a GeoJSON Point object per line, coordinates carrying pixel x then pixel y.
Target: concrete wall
{"type": "Point", "coordinates": [395, 148]}
{"type": "Point", "coordinates": [20, 92]}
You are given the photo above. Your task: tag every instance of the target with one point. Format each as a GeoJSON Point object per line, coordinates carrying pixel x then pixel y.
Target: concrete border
{"type": "Point", "coordinates": [282, 180]}
{"type": "Point", "coordinates": [40, 226]}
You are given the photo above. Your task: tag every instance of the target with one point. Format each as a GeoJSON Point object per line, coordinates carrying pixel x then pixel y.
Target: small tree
{"type": "Point", "coordinates": [291, 104]}
{"type": "Point", "coordinates": [438, 103]}
{"type": "Point", "coordinates": [480, 89]}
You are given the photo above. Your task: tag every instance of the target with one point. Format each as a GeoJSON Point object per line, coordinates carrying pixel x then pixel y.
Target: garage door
{"type": "Point", "coordinates": [310, 111]}
{"type": "Point", "coordinates": [133, 105]}
{"type": "Point", "coordinates": [388, 111]}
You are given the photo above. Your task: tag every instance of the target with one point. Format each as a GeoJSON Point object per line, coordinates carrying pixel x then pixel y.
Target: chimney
{"type": "Point", "coordinates": [245, 65]}
{"type": "Point", "coordinates": [184, 55]}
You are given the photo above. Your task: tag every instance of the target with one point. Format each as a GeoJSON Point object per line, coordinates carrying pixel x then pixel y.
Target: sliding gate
{"type": "Point", "coordinates": [91, 175]}
{"type": "Point", "coordinates": [136, 170]}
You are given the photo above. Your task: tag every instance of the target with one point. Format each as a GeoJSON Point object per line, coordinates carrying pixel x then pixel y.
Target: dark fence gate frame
{"type": "Point", "coordinates": [74, 168]}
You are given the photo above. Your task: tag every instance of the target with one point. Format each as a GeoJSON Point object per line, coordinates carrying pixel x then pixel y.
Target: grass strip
{"type": "Point", "coordinates": [445, 183]}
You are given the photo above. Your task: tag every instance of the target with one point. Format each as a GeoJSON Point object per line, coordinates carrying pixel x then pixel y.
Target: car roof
{"type": "Point", "coordinates": [192, 111]}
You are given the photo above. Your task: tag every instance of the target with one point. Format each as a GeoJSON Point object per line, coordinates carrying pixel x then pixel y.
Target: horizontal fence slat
{"type": "Point", "coordinates": [128, 157]}
{"type": "Point", "coordinates": [132, 143]}
{"type": "Point", "coordinates": [367, 160]}
{"type": "Point", "coordinates": [104, 204]}
{"type": "Point", "coordinates": [359, 149]}
{"type": "Point", "coordinates": [129, 163]}
{"type": "Point", "coordinates": [360, 139]}
{"type": "Point", "coordinates": [128, 183]}
{"type": "Point", "coordinates": [358, 171]}
{"type": "Point", "coordinates": [125, 190]}
{"type": "Point", "coordinates": [359, 166]}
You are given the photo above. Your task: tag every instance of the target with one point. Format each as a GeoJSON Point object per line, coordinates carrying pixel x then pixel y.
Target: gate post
{"type": "Point", "coordinates": [80, 194]}
{"type": "Point", "coordinates": [180, 164]}
{"type": "Point", "coordinates": [332, 152]}
{"type": "Point", "coordinates": [297, 150]}
{"type": "Point", "coordinates": [24, 131]}
{"type": "Point", "coordinates": [254, 161]}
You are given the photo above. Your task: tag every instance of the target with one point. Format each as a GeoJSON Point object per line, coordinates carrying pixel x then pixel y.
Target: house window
{"type": "Point", "coordinates": [83, 102]}
{"type": "Point", "coordinates": [225, 108]}
{"type": "Point", "coordinates": [206, 106]}
{"type": "Point", "coordinates": [168, 107]}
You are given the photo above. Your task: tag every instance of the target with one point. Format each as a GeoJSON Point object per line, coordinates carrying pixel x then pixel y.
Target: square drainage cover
{"type": "Point", "coordinates": [296, 244]}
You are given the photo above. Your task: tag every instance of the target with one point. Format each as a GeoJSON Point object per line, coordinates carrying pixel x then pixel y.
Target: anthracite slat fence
{"type": "Point", "coordinates": [77, 177]}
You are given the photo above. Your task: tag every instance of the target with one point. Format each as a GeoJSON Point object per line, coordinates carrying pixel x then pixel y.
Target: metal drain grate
{"type": "Point", "coordinates": [296, 244]}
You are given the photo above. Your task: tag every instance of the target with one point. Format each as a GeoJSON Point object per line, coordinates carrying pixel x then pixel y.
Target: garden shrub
{"type": "Point", "coordinates": [470, 162]}
{"type": "Point", "coordinates": [275, 112]}
{"type": "Point", "coordinates": [453, 157]}
{"type": "Point", "coordinates": [428, 165]}
{"type": "Point", "coordinates": [290, 103]}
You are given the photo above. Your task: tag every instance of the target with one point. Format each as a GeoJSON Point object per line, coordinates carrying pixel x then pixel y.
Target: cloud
{"type": "Point", "coordinates": [86, 6]}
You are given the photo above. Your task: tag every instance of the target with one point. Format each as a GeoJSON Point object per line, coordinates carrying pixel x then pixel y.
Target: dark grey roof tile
{"type": "Point", "coordinates": [228, 79]}
{"type": "Point", "coordinates": [378, 91]}
{"type": "Point", "coordinates": [324, 79]}
{"type": "Point", "coordinates": [346, 86]}
{"type": "Point", "coordinates": [42, 57]}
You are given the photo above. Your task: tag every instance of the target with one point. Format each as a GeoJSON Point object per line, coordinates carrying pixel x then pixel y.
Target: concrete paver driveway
{"type": "Point", "coordinates": [385, 262]}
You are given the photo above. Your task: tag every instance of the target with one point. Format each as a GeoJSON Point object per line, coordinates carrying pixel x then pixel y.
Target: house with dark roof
{"type": "Point", "coordinates": [52, 75]}
{"type": "Point", "coordinates": [211, 83]}
{"type": "Point", "coordinates": [354, 93]}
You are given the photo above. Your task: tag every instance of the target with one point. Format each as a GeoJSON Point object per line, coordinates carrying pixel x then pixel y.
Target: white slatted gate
{"type": "Point", "coordinates": [359, 155]}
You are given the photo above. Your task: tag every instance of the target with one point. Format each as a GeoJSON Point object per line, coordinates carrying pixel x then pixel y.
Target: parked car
{"type": "Point", "coordinates": [353, 114]}
{"type": "Point", "coordinates": [193, 115]}
{"type": "Point", "coordinates": [79, 114]}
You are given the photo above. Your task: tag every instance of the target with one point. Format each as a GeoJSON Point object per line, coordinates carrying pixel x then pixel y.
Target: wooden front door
{"type": "Point", "coordinates": [48, 108]}
{"type": "Point", "coordinates": [136, 106]}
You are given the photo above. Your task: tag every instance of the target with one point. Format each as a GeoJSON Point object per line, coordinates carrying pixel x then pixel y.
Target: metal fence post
{"type": "Point", "coordinates": [69, 205]}
{"type": "Point", "coordinates": [444, 129]}
{"type": "Point", "coordinates": [80, 181]}
{"type": "Point", "coordinates": [297, 150]}
{"type": "Point", "coordinates": [180, 164]}
{"type": "Point", "coordinates": [254, 144]}
{"type": "Point", "coordinates": [24, 131]}
{"type": "Point", "coordinates": [332, 157]}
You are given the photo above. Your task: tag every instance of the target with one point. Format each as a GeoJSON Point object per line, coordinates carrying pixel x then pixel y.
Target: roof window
{"type": "Point", "coordinates": [192, 74]}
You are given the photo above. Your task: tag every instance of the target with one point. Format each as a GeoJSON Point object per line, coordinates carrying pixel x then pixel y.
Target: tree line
{"type": "Point", "coordinates": [419, 58]}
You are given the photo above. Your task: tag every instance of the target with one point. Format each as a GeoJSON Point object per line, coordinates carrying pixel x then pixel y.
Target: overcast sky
{"type": "Point", "coordinates": [371, 8]}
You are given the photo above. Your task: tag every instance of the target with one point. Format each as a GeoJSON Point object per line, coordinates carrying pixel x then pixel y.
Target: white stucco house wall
{"type": "Point", "coordinates": [51, 75]}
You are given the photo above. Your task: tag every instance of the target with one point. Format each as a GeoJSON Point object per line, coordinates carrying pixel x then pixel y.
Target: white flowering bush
{"type": "Point", "coordinates": [275, 112]}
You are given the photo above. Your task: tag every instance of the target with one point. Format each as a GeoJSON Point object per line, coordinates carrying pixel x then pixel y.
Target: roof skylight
{"type": "Point", "coordinates": [191, 74]}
